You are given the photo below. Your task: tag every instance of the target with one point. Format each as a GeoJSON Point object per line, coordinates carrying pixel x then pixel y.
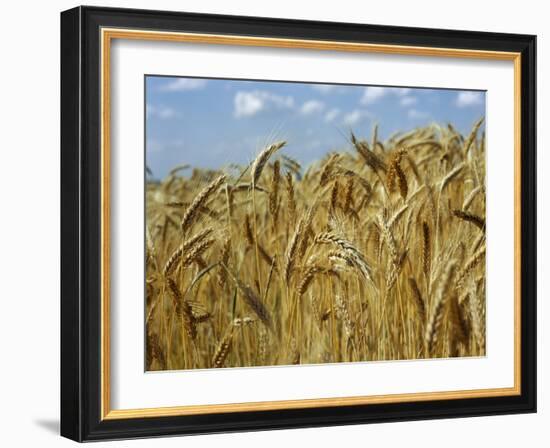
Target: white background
{"type": "Point", "coordinates": [132, 388]}
{"type": "Point", "coordinates": [29, 232]}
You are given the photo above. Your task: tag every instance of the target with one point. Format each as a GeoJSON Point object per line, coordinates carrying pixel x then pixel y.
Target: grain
{"type": "Point", "coordinates": [374, 252]}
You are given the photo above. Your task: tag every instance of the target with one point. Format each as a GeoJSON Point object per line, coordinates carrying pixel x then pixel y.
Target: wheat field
{"type": "Point", "coordinates": [375, 252]}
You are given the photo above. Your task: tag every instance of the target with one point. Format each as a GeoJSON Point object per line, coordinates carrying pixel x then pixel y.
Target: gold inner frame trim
{"type": "Point", "coordinates": [107, 35]}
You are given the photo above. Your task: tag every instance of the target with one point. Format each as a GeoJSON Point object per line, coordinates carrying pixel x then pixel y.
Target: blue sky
{"type": "Point", "coordinates": [209, 123]}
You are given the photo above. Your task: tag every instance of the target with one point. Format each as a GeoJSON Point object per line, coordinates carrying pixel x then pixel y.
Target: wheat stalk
{"type": "Point", "coordinates": [436, 316]}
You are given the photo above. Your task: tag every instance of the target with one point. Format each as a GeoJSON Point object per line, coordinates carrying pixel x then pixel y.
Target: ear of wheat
{"type": "Point", "coordinates": [192, 211]}
{"type": "Point", "coordinates": [373, 252]}
{"type": "Point", "coordinates": [223, 349]}
{"type": "Point", "coordinates": [274, 193]}
{"type": "Point", "coordinates": [261, 160]}
{"type": "Point", "coordinates": [470, 217]}
{"type": "Point", "coordinates": [176, 256]}
{"type": "Point", "coordinates": [350, 251]}
{"type": "Point", "coordinates": [183, 309]}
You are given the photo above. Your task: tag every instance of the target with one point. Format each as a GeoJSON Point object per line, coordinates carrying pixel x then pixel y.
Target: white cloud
{"type": "Point", "coordinates": [402, 91]}
{"type": "Point", "coordinates": [331, 115]}
{"type": "Point", "coordinates": [312, 107]}
{"type": "Point", "coordinates": [465, 99]}
{"type": "Point", "coordinates": [182, 84]}
{"type": "Point", "coordinates": [248, 104]}
{"type": "Point", "coordinates": [325, 88]}
{"type": "Point", "coordinates": [284, 102]}
{"type": "Point", "coordinates": [373, 94]}
{"type": "Point", "coordinates": [354, 117]}
{"type": "Point", "coordinates": [417, 114]}
{"type": "Point", "coordinates": [162, 112]}
{"type": "Point", "coordinates": [408, 101]}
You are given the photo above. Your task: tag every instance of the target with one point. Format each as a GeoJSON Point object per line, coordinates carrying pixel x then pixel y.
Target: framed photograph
{"type": "Point", "coordinates": [277, 224]}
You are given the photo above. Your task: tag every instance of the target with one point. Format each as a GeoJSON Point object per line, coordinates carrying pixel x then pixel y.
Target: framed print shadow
{"type": "Point", "coordinates": [272, 223]}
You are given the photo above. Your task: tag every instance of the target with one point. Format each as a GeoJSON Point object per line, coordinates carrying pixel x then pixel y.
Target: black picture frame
{"type": "Point", "coordinates": [81, 224]}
